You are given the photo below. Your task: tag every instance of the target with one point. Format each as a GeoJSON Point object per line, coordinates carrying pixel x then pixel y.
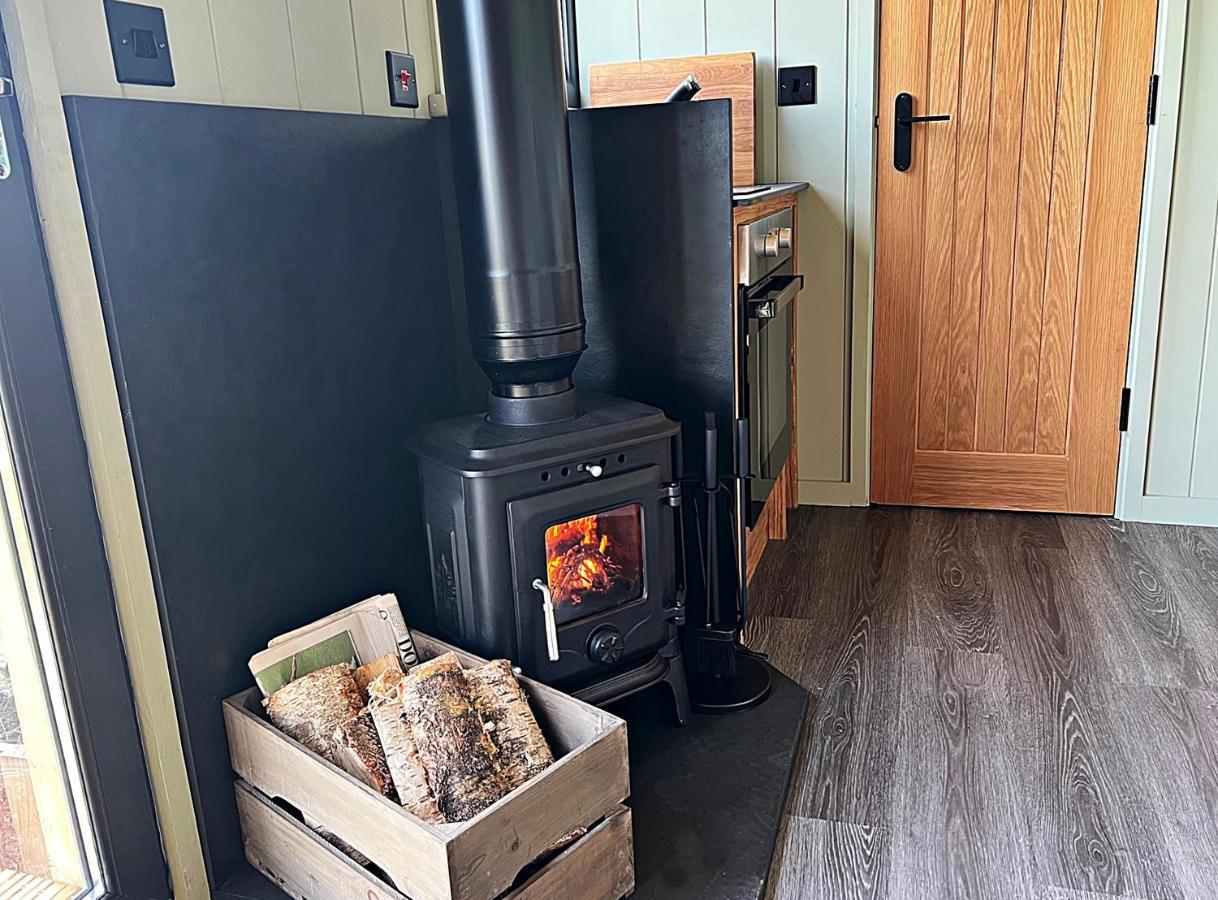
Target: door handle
{"type": "Point", "coordinates": [551, 623]}
{"type": "Point", "coordinates": [903, 122]}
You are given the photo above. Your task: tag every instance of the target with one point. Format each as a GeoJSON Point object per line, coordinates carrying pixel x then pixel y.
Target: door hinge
{"type": "Point", "coordinates": [1152, 100]}
{"type": "Point", "coordinates": [1126, 397]}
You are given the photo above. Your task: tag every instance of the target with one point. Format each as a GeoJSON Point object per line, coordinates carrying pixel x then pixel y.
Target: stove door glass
{"type": "Point", "coordinates": [595, 563]}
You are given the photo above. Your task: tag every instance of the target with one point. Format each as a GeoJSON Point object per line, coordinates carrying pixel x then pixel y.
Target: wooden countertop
{"type": "Point", "coordinates": [768, 192]}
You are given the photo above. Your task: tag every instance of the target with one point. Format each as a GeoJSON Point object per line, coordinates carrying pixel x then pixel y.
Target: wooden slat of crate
{"type": "Point", "coordinates": [471, 860]}
{"type": "Point", "coordinates": [410, 850]}
{"type": "Point", "coordinates": [599, 866]}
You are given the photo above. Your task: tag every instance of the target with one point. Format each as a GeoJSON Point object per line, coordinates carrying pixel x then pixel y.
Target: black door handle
{"type": "Point", "coordinates": [915, 119]}
{"type": "Point", "coordinates": [903, 122]}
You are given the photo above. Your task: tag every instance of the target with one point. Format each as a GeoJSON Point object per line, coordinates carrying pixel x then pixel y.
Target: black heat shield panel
{"type": "Point", "coordinates": [653, 212]}
{"type": "Point", "coordinates": [653, 205]}
{"type": "Point", "coordinates": [275, 289]}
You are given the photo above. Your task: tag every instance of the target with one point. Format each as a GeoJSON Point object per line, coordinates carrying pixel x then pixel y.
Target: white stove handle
{"type": "Point", "coordinates": [547, 608]}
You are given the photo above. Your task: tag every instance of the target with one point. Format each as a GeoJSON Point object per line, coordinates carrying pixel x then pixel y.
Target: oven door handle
{"type": "Point", "coordinates": [774, 295]}
{"type": "Point", "coordinates": [547, 609]}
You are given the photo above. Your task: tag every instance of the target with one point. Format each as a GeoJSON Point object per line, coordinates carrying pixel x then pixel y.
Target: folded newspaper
{"type": "Point", "coordinates": [356, 635]}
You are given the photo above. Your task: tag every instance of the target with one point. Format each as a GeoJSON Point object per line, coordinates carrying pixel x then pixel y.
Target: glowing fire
{"type": "Point", "coordinates": [577, 559]}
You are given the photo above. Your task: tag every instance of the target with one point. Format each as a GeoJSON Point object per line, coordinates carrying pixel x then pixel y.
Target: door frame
{"type": "Point", "coordinates": [1133, 503]}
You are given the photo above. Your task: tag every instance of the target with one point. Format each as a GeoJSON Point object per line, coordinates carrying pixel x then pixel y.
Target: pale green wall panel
{"type": "Point", "coordinates": [323, 50]}
{"type": "Point", "coordinates": [736, 25]}
{"type": "Point", "coordinates": [254, 53]}
{"type": "Point", "coordinates": [1183, 421]}
{"type": "Point", "coordinates": [671, 28]}
{"type": "Point", "coordinates": [811, 146]}
{"type": "Point", "coordinates": [605, 31]}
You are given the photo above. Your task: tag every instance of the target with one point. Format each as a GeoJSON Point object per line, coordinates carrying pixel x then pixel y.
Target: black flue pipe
{"type": "Point", "coordinates": [516, 212]}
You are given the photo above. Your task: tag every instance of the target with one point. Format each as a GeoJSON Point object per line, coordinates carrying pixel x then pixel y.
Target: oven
{"type": "Point", "coordinates": [768, 286]}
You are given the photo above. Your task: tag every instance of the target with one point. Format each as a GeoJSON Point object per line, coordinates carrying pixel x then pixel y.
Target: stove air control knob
{"type": "Point", "coordinates": [784, 237]}
{"type": "Point", "coordinates": [606, 645]}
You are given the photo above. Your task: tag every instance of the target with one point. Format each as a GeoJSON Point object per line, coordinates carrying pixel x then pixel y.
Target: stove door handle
{"type": "Point", "coordinates": [547, 609]}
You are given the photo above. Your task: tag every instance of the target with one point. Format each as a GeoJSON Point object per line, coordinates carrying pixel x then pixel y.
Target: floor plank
{"type": "Point", "coordinates": [1008, 705]}
{"type": "Point", "coordinates": [854, 669]}
{"type": "Point", "coordinates": [1094, 826]}
{"type": "Point", "coordinates": [786, 643]}
{"type": "Point", "coordinates": [1136, 604]}
{"type": "Point", "coordinates": [832, 860]}
{"type": "Point", "coordinates": [953, 598]}
{"type": "Point", "coordinates": [958, 826]}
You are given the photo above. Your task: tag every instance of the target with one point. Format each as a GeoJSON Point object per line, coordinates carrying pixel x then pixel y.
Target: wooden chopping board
{"type": "Point", "coordinates": [729, 75]}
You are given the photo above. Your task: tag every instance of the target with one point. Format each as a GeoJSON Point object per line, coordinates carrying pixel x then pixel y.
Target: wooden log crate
{"type": "Point", "coordinates": [475, 860]}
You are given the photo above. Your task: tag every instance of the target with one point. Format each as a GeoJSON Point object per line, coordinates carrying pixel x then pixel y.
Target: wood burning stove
{"type": "Point", "coordinates": [551, 520]}
{"type": "Point", "coordinates": [556, 545]}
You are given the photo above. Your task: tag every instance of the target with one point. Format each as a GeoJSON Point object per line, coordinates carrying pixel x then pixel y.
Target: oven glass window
{"type": "Point", "coordinates": [595, 562]}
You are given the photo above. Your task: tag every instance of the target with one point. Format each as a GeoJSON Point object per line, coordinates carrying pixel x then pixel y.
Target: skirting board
{"type": "Point", "coordinates": [832, 493]}
{"type": "Point", "coordinates": [1173, 511]}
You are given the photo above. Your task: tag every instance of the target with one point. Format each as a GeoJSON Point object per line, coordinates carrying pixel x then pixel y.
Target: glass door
{"type": "Point", "coordinates": [47, 847]}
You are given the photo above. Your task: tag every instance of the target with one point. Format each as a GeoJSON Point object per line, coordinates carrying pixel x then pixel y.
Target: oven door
{"type": "Point", "coordinates": [769, 312]}
{"type": "Point", "coordinates": [598, 549]}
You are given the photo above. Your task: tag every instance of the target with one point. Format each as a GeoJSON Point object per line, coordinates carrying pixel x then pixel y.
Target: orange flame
{"type": "Point", "coordinates": [561, 539]}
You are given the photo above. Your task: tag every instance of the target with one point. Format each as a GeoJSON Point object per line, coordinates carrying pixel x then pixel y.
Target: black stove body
{"type": "Point", "coordinates": [551, 519]}
{"type": "Point", "coordinates": [555, 545]}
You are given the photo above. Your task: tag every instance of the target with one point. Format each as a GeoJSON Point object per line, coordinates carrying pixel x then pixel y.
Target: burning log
{"type": "Point", "coordinates": [311, 708]}
{"type": "Point", "coordinates": [459, 757]}
{"type": "Point", "coordinates": [360, 754]}
{"type": "Point", "coordinates": [583, 569]}
{"type": "Point", "coordinates": [401, 756]}
{"type": "Point", "coordinates": [504, 709]}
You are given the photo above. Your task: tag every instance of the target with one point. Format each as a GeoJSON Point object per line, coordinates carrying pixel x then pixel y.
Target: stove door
{"type": "Point", "coordinates": [600, 556]}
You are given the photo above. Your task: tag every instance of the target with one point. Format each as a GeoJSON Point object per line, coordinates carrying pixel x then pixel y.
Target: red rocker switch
{"type": "Point", "coordinates": [403, 84]}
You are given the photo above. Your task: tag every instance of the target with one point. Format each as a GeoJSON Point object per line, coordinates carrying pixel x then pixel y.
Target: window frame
{"type": "Point", "coordinates": [48, 449]}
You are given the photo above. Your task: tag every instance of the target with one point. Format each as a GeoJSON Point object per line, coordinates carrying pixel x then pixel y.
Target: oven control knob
{"type": "Point", "coordinates": [767, 245]}
{"type": "Point", "coordinates": [784, 237]}
{"type": "Point", "coordinates": [606, 645]}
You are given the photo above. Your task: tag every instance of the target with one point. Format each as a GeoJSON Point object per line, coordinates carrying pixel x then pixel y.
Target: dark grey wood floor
{"type": "Point", "coordinates": [1008, 705]}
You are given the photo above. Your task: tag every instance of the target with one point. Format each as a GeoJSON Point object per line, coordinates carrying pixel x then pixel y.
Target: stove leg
{"type": "Point", "coordinates": [675, 678]}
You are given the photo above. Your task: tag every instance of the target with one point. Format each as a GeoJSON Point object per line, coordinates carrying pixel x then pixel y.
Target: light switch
{"type": "Point", "coordinates": [139, 43]}
{"type": "Point", "coordinates": [796, 85]}
{"type": "Point", "coordinates": [403, 86]}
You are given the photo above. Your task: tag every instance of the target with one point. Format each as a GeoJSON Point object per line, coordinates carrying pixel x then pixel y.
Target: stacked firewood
{"type": "Point", "coordinates": [443, 741]}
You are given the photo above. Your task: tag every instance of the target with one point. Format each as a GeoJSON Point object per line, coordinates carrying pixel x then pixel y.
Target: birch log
{"type": "Point", "coordinates": [501, 703]}
{"type": "Point", "coordinates": [311, 708]}
{"type": "Point", "coordinates": [456, 752]}
{"type": "Point", "coordinates": [370, 671]}
{"type": "Point", "coordinates": [405, 768]}
{"type": "Point", "coordinates": [360, 754]}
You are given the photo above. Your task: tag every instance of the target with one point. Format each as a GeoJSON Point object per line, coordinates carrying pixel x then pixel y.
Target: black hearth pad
{"type": "Point", "coordinates": [708, 798]}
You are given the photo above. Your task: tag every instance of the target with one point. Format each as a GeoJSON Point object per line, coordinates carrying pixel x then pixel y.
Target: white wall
{"type": "Point", "coordinates": [1170, 472]}
{"type": "Point", "coordinates": [326, 55]}
{"type": "Point", "coordinates": [821, 144]}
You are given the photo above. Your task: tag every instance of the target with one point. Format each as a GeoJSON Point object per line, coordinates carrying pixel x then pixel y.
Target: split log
{"type": "Point", "coordinates": [501, 703]}
{"type": "Point", "coordinates": [401, 756]}
{"type": "Point", "coordinates": [360, 754]}
{"type": "Point", "coordinates": [370, 671]}
{"type": "Point", "coordinates": [456, 752]}
{"type": "Point", "coordinates": [311, 708]}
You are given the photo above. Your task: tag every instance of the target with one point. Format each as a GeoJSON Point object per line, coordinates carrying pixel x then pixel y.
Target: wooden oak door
{"type": "Point", "coordinates": [1005, 252]}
